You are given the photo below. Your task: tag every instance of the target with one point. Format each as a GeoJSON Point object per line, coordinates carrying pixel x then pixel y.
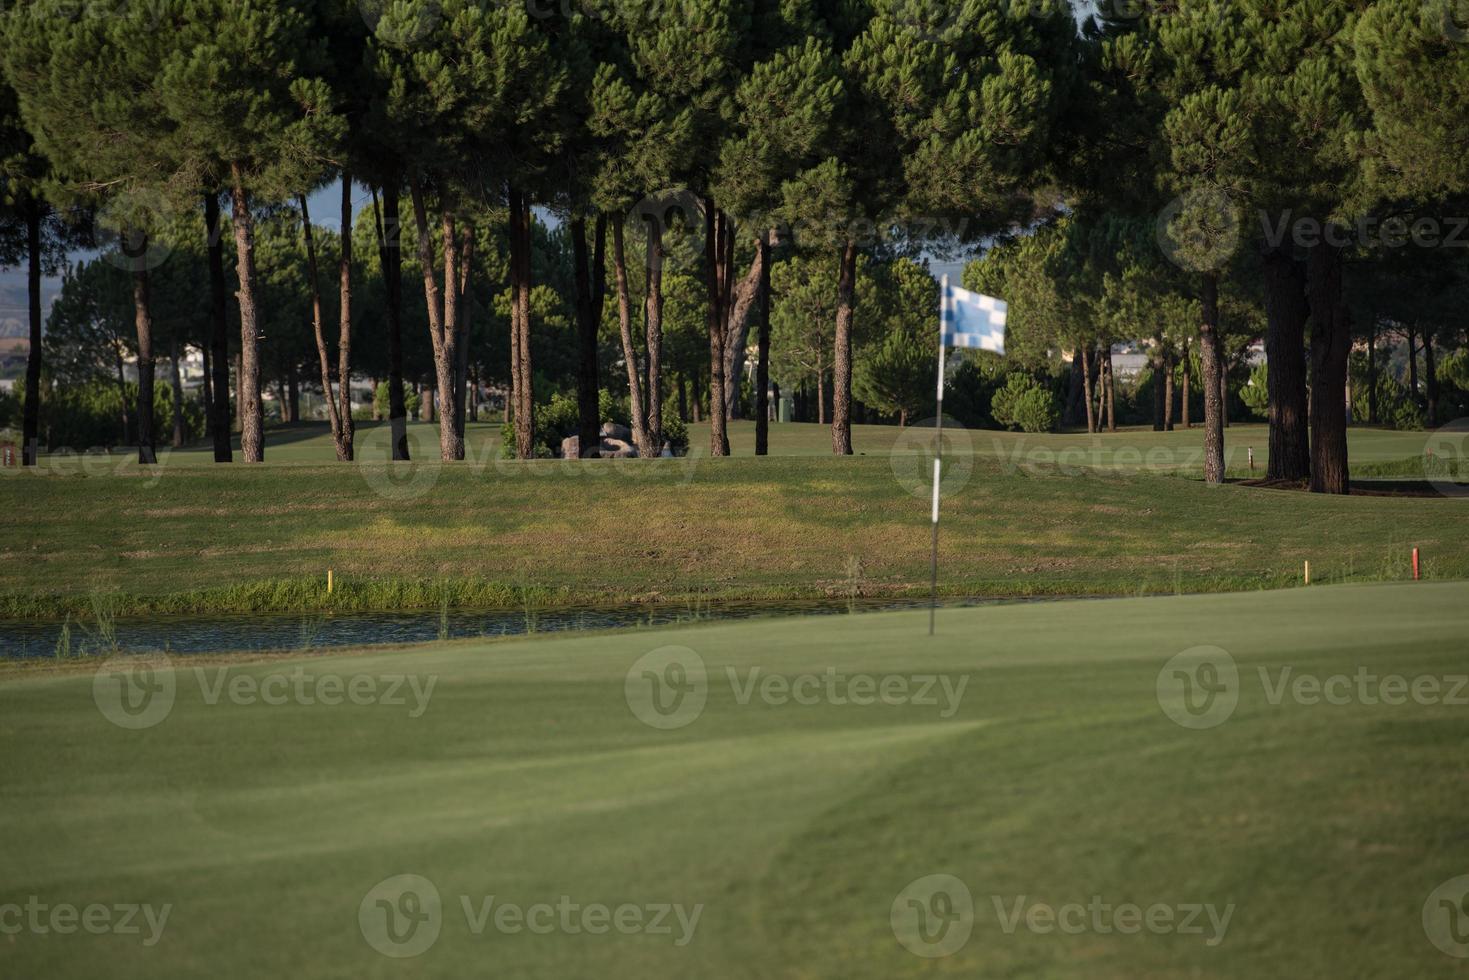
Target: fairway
{"type": "Point", "coordinates": [1116, 514]}
{"type": "Point", "coordinates": [793, 825]}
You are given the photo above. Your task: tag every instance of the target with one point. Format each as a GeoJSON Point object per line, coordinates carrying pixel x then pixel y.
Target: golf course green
{"type": "Point", "coordinates": [781, 816]}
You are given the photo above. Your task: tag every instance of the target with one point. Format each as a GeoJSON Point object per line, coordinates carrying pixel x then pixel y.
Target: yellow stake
{"type": "Point", "coordinates": [329, 581]}
{"type": "Point", "coordinates": [1308, 573]}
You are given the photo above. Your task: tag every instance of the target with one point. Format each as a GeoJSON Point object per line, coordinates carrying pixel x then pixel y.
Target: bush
{"type": "Point", "coordinates": [87, 416]}
{"type": "Point", "coordinates": [1256, 394]}
{"type": "Point", "coordinates": [676, 433]}
{"type": "Point", "coordinates": [556, 420]}
{"type": "Point", "coordinates": [380, 404]}
{"type": "Point", "coordinates": [1025, 404]}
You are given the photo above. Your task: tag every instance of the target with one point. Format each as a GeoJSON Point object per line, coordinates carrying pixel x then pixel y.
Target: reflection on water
{"type": "Point", "coordinates": [276, 631]}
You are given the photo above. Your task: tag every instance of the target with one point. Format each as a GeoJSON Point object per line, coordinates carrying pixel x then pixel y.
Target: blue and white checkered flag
{"type": "Point", "coordinates": [973, 320]}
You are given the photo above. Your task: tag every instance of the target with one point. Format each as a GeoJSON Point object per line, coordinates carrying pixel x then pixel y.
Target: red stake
{"type": "Point", "coordinates": [1415, 564]}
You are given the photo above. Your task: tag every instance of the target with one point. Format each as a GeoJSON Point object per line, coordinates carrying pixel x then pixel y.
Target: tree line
{"type": "Point", "coordinates": [1192, 173]}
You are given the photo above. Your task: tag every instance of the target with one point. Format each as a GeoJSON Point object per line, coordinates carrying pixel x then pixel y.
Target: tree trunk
{"type": "Point", "coordinates": [442, 316]}
{"type": "Point", "coordinates": [762, 366]}
{"type": "Point", "coordinates": [521, 370]}
{"type": "Point", "coordinates": [714, 246]}
{"type": "Point", "coordinates": [390, 256]}
{"type": "Point", "coordinates": [1111, 391]}
{"type": "Point", "coordinates": [31, 426]}
{"type": "Point", "coordinates": [1287, 310]}
{"type": "Point", "coordinates": [821, 417]}
{"type": "Point", "coordinates": [323, 356]}
{"type": "Point", "coordinates": [1223, 388]}
{"type": "Point", "coordinates": [1372, 369]}
{"type": "Point", "coordinates": [239, 423]}
{"type": "Point", "coordinates": [653, 314]}
{"type": "Point", "coordinates": [1168, 390]}
{"type": "Point", "coordinates": [122, 393]}
{"type": "Point", "coordinates": [1412, 360]}
{"type": "Point", "coordinates": [1101, 389]}
{"type": "Point", "coordinates": [1430, 378]}
{"type": "Point", "coordinates": [219, 338]}
{"type": "Point", "coordinates": [1211, 355]}
{"type": "Point", "coordinates": [1086, 381]}
{"type": "Point", "coordinates": [1186, 382]}
{"type": "Point", "coordinates": [346, 429]}
{"type": "Point", "coordinates": [206, 386]}
{"type": "Point", "coordinates": [588, 317]}
{"type": "Point", "coordinates": [143, 321]}
{"type": "Point", "coordinates": [698, 396]}
{"type": "Point", "coordinates": [461, 363]}
{"type": "Point", "coordinates": [841, 375]}
{"type": "Point", "coordinates": [252, 416]}
{"type": "Point", "coordinates": [425, 403]}
{"type": "Point", "coordinates": [743, 301]}
{"type": "Point", "coordinates": [1160, 416]}
{"type": "Point", "coordinates": [1331, 342]}
{"type": "Point", "coordinates": [178, 395]}
{"type": "Point", "coordinates": [1073, 391]}
{"type": "Point", "coordinates": [629, 351]}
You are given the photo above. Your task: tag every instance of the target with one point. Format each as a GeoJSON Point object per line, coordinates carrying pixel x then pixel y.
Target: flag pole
{"type": "Point", "coordinates": [938, 453]}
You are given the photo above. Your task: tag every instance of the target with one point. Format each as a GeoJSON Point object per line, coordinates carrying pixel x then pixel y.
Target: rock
{"type": "Point", "coordinates": [618, 449]}
{"type": "Point", "coordinates": [611, 430]}
{"type": "Point", "coordinates": [571, 447]}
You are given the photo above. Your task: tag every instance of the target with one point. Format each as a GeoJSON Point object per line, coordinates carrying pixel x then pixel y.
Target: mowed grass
{"type": "Point", "coordinates": [1058, 515]}
{"type": "Point", "coordinates": [1056, 779]}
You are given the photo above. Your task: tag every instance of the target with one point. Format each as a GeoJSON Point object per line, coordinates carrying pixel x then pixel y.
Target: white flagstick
{"type": "Point", "coordinates": [938, 452]}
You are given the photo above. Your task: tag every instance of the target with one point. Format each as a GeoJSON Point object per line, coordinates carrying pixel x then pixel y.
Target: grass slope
{"type": "Point", "coordinates": [1060, 514]}
{"type": "Point", "coordinates": [528, 778]}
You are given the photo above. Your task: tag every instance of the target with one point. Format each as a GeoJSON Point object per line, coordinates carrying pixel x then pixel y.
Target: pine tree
{"type": "Point", "coordinates": [950, 120]}
{"type": "Point", "coordinates": [30, 232]}
{"type": "Point", "coordinates": [1412, 61]}
{"type": "Point", "coordinates": [781, 131]}
{"type": "Point", "coordinates": [466, 108]}
{"type": "Point", "coordinates": [73, 74]}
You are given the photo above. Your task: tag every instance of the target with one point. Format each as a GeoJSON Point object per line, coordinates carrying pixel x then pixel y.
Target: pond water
{"type": "Point", "coordinates": [253, 633]}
